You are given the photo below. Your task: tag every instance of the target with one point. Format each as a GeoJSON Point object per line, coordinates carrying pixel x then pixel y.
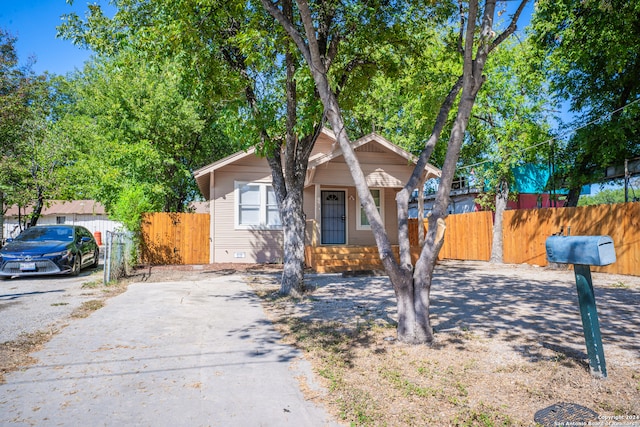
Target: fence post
{"type": "Point", "coordinates": [107, 258]}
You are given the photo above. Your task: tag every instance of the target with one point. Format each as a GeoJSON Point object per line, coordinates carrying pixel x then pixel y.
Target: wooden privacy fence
{"type": "Point", "coordinates": [525, 233]}
{"type": "Point", "coordinates": [179, 238]}
{"type": "Point", "coordinates": [175, 238]}
{"type": "Point", "coordinates": [468, 236]}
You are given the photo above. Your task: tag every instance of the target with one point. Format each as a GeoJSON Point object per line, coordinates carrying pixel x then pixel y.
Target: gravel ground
{"type": "Point", "coordinates": [29, 305]}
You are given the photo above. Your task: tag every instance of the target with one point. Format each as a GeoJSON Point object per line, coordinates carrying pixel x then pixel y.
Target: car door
{"type": "Point", "coordinates": [87, 246]}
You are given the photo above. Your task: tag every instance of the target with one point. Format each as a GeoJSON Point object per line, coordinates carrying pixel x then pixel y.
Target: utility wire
{"type": "Point", "coordinates": [562, 135]}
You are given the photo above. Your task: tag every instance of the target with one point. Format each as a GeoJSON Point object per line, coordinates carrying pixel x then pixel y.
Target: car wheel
{"type": "Point", "coordinates": [96, 259]}
{"type": "Point", "coordinates": [77, 265]}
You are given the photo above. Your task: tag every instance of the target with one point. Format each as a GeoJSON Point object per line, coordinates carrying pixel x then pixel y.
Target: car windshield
{"type": "Point", "coordinates": [38, 234]}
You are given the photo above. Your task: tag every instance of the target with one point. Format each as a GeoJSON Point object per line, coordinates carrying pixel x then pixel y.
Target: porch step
{"type": "Point", "coordinates": [337, 259]}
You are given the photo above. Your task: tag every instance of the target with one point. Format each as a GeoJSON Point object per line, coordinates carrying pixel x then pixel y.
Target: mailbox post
{"type": "Point", "coordinates": [583, 252]}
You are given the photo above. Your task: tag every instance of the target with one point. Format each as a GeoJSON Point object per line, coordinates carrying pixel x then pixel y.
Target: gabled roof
{"type": "Point", "coordinates": [64, 207]}
{"type": "Point", "coordinates": [321, 158]}
{"type": "Point", "coordinates": [203, 175]}
{"type": "Point", "coordinates": [223, 162]}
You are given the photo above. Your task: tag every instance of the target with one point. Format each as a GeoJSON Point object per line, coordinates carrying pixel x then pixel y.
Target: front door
{"type": "Point", "coordinates": [333, 219]}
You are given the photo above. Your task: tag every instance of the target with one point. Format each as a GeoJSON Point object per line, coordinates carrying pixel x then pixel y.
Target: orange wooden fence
{"type": "Point", "coordinates": [525, 233]}
{"type": "Point", "coordinates": [467, 237]}
{"type": "Point", "coordinates": [175, 238]}
{"type": "Point", "coordinates": [172, 238]}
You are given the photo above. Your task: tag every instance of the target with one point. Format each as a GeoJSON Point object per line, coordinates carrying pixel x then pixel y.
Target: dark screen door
{"type": "Point", "coordinates": [333, 227]}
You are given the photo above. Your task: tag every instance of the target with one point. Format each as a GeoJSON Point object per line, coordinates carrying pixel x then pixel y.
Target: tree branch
{"type": "Point", "coordinates": [511, 28]}
{"type": "Point", "coordinates": [461, 35]}
{"type": "Point", "coordinates": [289, 28]}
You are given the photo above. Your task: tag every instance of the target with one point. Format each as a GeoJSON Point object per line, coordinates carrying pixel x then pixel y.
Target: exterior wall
{"type": "Point", "coordinates": [94, 223]}
{"type": "Point", "coordinates": [383, 169]}
{"type": "Point", "coordinates": [380, 169]}
{"type": "Point", "coordinates": [238, 245]}
{"type": "Point", "coordinates": [323, 145]}
{"type": "Point", "coordinates": [365, 237]}
{"type": "Point", "coordinates": [308, 202]}
{"type": "Point", "coordinates": [533, 201]}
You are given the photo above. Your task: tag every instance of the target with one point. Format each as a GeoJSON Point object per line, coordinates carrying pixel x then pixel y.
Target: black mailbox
{"type": "Point", "coordinates": [585, 250]}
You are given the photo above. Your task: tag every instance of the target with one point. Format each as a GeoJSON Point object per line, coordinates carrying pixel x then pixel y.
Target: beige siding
{"type": "Point", "coordinates": [383, 168]}
{"type": "Point", "coordinates": [379, 174]}
{"type": "Point", "coordinates": [236, 245]}
{"type": "Point", "coordinates": [308, 202]}
{"type": "Point", "coordinates": [323, 145]}
{"type": "Point", "coordinates": [365, 237]}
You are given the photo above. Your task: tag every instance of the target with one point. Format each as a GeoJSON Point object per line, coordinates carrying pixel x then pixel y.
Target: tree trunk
{"type": "Point", "coordinates": [411, 285]}
{"type": "Point", "coordinates": [293, 224]}
{"type": "Point", "coordinates": [502, 196]}
{"type": "Point", "coordinates": [37, 210]}
{"type": "Point", "coordinates": [421, 230]}
{"type": "Point", "coordinates": [573, 197]}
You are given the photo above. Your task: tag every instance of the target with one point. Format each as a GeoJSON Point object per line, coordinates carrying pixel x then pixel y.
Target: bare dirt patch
{"type": "Point", "coordinates": [508, 345]}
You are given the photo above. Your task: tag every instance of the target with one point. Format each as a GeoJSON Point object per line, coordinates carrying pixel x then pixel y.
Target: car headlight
{"type": "Point", "coordinates": [61, 254]}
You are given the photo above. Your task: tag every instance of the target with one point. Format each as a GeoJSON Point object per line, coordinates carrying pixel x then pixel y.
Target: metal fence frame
{"type": "Point", "coordinates": [118, 254]}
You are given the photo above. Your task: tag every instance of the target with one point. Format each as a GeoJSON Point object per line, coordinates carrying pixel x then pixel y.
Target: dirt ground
{"type": "Point", "coordinates": [508, 350]}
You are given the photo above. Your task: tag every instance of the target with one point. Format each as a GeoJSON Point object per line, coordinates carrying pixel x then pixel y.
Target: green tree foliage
{"type": "Point", "coordinates": [34, 159]}
{"type": "Point", "coordinates": [242, 65]}
{"type": "Point", "coordinates": [401, 101]}
{"type": "Point", "coordinates": [592, 50]}
{"type": "Point", "coordinates": [510, 124]}
{"type": "Point", "coordinates": [138, 133]}
{"type": "Point", "coordinates": [608, 197]}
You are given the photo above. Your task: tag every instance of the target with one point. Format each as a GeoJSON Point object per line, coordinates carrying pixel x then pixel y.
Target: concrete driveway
{"type": "Point", "coordinates": [189, 353]}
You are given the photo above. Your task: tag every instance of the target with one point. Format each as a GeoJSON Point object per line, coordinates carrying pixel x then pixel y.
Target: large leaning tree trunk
{"type": "Point", "coordinates": [502, 196]}
{"type": "Point", "coordinates": [411, 284]}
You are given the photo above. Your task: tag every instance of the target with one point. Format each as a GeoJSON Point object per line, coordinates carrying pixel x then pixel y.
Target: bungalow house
{"type": "Point", "coordinates": [87, 213]}
{"type": "Point", "coordinates": [245, 224]}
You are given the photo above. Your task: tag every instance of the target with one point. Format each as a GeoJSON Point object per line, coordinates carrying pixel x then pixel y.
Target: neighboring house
{"type": "Point", "coordinates": [529, 191]}
{"type": "Point", "coordinates": [198, 207]}
{"type": "Point", "coordinates": [462, 198]}
{"type": "Point", "coordinates": [245, 223]}
{"type": "Point", "coordinates": [87, 213]}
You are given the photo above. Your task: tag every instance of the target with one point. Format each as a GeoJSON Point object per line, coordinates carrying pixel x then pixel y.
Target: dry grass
{"type": "Point", "coordinates": [462, 379]}
{"type": "Point", "coordinates": [14, 355]}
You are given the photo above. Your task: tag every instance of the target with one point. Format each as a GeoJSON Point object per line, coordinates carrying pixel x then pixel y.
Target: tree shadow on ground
{"type": "Point", "coordinates": [537, 305]}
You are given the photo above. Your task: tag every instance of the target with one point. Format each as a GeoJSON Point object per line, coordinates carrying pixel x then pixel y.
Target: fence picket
{"type": "Point", "coordinates": [170, 238]}
{"type": "Point", "coordinates": [175, 238]}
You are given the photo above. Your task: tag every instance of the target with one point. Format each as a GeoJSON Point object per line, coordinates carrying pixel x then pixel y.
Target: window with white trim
{"type": "Point", "coordinates": [378, 199]}
{"type": "Point", "coordinates": [256, 206]}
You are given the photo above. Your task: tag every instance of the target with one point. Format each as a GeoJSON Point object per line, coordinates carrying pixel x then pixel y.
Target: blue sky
{"type": "Point", "coordinates": [34, 23]}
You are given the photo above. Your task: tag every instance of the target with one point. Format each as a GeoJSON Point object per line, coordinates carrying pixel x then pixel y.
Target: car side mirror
{"type": "Point", "coordinates": [85, 239]}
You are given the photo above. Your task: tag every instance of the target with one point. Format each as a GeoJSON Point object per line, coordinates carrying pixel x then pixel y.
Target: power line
{"type": "Point", "coordinates": [562, 135]}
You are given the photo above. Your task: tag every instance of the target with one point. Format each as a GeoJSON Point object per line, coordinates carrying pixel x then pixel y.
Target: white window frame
{"type": "Point", "coordinates": [262, 210]}
{"type": "Point", "coordinates": [359, 224]}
